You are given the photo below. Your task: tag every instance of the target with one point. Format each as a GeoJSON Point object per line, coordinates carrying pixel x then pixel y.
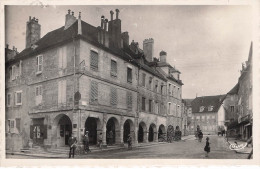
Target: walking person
{"type": "Point", "coordinates": [72, 143]}
{"type": "Point", "coordinates": [129, 141]}
{"type": "Point", "coordinates": [100, 139]}
{"type": "Point", "coordinates": [207, 147]}
{"type": "Point", "coordinates": [200, 135]}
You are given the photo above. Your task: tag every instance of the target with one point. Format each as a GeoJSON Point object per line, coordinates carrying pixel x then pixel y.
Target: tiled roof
{"type": "Point", "coordinates": [90, 34]}
{"type": "Point", "coordinates": [207, 101]}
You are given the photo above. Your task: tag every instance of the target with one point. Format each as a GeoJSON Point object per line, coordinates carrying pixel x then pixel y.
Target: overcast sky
{"type": "Point", "coordinates": [206, 43]}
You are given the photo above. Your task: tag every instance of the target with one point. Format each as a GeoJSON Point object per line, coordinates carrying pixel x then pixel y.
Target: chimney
{"type": "Point", "coordinates": [125, 38]}
{"type": "Point", "coordinates": [114, 31]}
{"type": "Point", "coordinates": [163, 56]}
{"type": "Point", "coordinates": [79, 24]}
{"type": "Point", "coordinates": [105, 24]}
{"type": "Point", "coordinates": [69, 19]}
{"type": "Point", "coordinates": [111, 13]}
{"type": "Point", "coordinates": [33, 31]}
{"type": "Point", "coordinates": [102, 22]}
{"type": "Point", "coordinates": [117, 13]}
{"type": "Point", "coordinates": [148, 49]}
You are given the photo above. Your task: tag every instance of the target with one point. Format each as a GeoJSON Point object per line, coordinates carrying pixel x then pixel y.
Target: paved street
{"type": "Point", "coordinates": [189, 149]}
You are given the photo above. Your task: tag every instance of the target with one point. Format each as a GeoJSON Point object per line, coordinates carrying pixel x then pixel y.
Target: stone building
{"type": "Point", "coordinates": [207, 113]}
{"type": "Point", "coordinates": [239, 102]}
{"type": "Point", "coordinates": [81, 78]}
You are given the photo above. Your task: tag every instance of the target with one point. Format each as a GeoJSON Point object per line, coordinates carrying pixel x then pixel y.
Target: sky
{"type": "Point", "coordinates": [207, 44]}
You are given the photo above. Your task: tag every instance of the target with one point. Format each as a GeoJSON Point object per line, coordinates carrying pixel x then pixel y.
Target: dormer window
{"type": "Point", "coordinates": [210, 108]}
{"type": "Point", "coordinates": [202, 108]}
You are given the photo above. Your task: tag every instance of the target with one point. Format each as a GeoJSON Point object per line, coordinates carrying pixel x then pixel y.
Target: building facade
{"type": "Point", "coordinates": [207, 114]}
{"type": "Point", "coordinates": [81, 78]}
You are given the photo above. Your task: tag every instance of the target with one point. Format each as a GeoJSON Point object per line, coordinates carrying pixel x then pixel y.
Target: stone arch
{"type": "Point", "coordinates": [128, 128]}
{"type": "Point", "coordinates": [161, 133]}
{"type": "Point", "coordinates": [170, 133]}
{"type": "Point", "coordinates": [62, 130]}
{"type": "Point", "coordinates": [152, 133]}
{"type": "Point", "coordinates": [142, 132]}
{"type": "Point", "coordinates": [93, 126]}
{"type": "Point", "coordinates": [112, 131]}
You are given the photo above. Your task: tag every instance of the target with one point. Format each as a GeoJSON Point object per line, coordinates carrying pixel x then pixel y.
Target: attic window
{"type": "Point", "coordinates": [210, 108]}
{"type": "Point", "coordinates": [202, 108]}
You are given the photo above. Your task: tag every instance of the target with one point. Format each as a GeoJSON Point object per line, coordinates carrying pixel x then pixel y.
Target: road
{"type": "Point", "coordinates": [188, 149]}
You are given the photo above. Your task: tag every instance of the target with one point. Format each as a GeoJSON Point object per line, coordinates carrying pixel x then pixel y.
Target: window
{"type": "Point", "coordinates": [93, 60]}
{"type": "Point", "coordinates": [169, 89]}
{"type": "Point", "coordinates": [38, 94]}
{"type": "Point", "coordinates": [202, 108]}
{"type": "Point", "coordinates": [39, 61]}
{"type": "Point", "coordinates": [156, 86]}
{"type": "Point", "coordinates": [113, 68]}
{"type": "Point", "coordinates": [62, 57]}
{"type": "Point", "coordinates": [113, 98]}
{"type": "Point", "coordinates": [94, 92]}
{"type": "Point", "coordinates": [150, 105]}
{"type": "Point", "coordinates": [178, 111]}
{"type": "Point", "coordinates": [143, 103]}
{"type": "Point", "coordinates": [156, 107]}
{"type": "Point", "coordinates": [169, 108]}
{"type": "Point", "coordinates": [62, 85]}
{"type": "Point", "coordinates": [232, 108]}
{"type": "Point", "coordinates": [143, 82]}
{"type": "Point", "coordinates": [150, 82]}
{"type": "Point", "coordinates": [13, 72]}
{"type": "Point", "coordinates": [18, 98]}
{"type": "Point", "coordinates": [210, 108]}
{"type": "Point", "coordinates": [129, 100]}
{"type": "Point", "coordinates": [129, 75]}
{"type": "Point", "coordinates": [8, 100]}
{"type": "Point", "coordinates": [161, 88]}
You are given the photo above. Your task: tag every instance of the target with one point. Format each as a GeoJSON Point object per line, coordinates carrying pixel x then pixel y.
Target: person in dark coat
{"type": "Point", "coordinates": [72, 143]}
{"type": "Point", "coordinates": [207, 147]}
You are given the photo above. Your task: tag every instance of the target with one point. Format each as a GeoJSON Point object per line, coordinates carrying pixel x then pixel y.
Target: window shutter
{"type": "Point", "coordinates": [31, 132]}
{"type": "Point", "coordinates": [94, 60]}
{"type": "Point", "coordinates": [44, 131]}
{"type": "Point", "coordinates": [113, 68]}
{"type": "Point", "coordinates": [64, 91]}
{"type": "Point", "coordinates": [64, 57]}
{"type": "Point", "coordinates": [94, 92]}
{"type": "Point", "coordinates": [18, 124]}
{"type": "Point", "coordinates": [129, 75]}
{"type": "Point", "coordinates": [59, 91]}
{"type": "Point", "coordinates": [113, 99]}
{"type": "Point", "coordinates": [40, 63]}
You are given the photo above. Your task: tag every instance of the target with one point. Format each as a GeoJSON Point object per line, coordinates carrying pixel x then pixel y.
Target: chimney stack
{"type": "Point", "coordinates": [125, 38]}
{"type": "Point", "coordinates": [102, 22]}
{"type": "Point", "coordinates": [117, 13]}
{"type": "Point", "coordinates": [105, 27]}
{"type": "Point", "coordinates": [148, 49]}
{"type": "Point", "coordinates": [111, 13]}
{"type": "Point", "coordinates": [163, 56]}
{"type": "Point", "coordinates": [33, 31]}
{"type": "Point", "coordinates": [69, 19]}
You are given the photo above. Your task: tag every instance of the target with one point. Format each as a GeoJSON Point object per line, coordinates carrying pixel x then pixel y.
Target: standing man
{"type": "Point", "coordinates": [72, 143]}
{"type": "Point", "coordinates": [86, 142]}
{"type": "Point", "coordinates": [129, 141]}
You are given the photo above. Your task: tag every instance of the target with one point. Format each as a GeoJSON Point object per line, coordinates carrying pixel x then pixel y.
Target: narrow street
{"type": "Point", "coordinates": [189, 149]}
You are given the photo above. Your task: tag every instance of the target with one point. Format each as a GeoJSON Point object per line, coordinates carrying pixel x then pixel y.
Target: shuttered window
{"type": "Point", "coordinates": [156, 86]}
{"type": "Point", "coordinates": [8, 99]}
{"type": "Point", "coordinates": [150, 105]}
{"type": "Point", "coordinates": [129, 75]}
{"type": "Point", "coordinates": [113, 97]}
{"type": "Point", "coordinates": [113, 68]}
{"type": "Point", "coordinates": [93, 60]}
{"type": "Point", "coordinates": [18, 98]}
{"type": "Point", "coordinates": [39, 61]}
{"type": "Point", "coordinates": [143, 78]}
{"type": "Point", "coordinates": [129, 100]}
{"type": "Point", "coordinates": [143, 103]}
{"type": "Point", "coordinates": [62, 91]}
{"type": "Point", "coordinates": [94, 92]}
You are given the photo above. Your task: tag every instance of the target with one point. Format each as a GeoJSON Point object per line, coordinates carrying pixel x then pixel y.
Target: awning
{"type": "Point", "coordinates": [248, 124]}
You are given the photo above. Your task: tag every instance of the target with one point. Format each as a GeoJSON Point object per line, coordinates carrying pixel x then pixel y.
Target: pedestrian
{"type": "Point", "coordinates": [200, 135]}
{"type": "Point", "coordinates": [110, 138]}
{"type": "Point", "coordinates": [207, 147]}
{"type": "Point", "coordinates": [129, 141]}
{"type": "Point", "coordinates": [73, 144]}
{"type": "Point", "coordinates": [86, 142]}
{"type": "Point", "coordinates": [100, 138]}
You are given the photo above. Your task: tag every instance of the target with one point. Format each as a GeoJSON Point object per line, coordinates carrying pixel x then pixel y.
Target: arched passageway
{"type": "Point", "coordinates": [170, 133]}
{"type": "Point", "coordinates": [128, 129]}
{"type": "Point", "coordinates": [162, 133]}
{"type": "Point", "coordinates": [92, 125]}
{"type": "Point", "coordinates": [112, 131]}
{"type": "Point", "coordinates": [142, 132]}
{"type": "Point", "coordinates": [152, 131]}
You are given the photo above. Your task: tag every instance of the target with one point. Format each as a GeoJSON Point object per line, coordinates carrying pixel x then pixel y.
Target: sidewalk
{"type": "Point", "coordinates": [245, 150]}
